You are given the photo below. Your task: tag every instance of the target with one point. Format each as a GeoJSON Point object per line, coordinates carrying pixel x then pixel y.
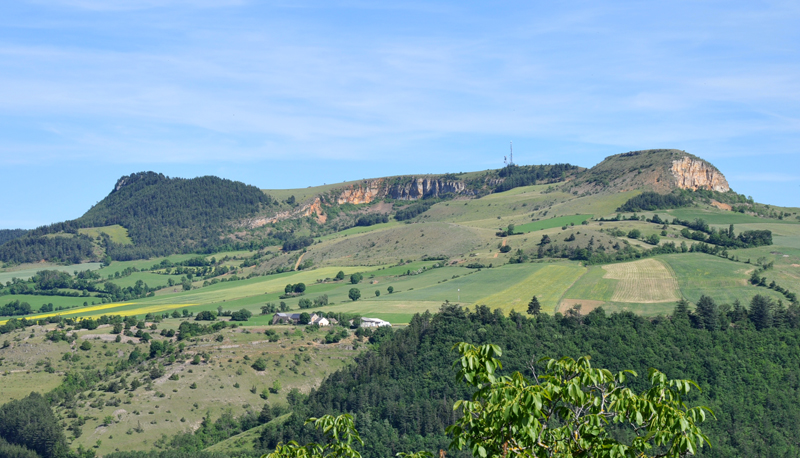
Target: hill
{"type": "Point", "coordinates": [659, 170]}
{"type": "Point", "coordinates": [162, 216]}
{"type": "Point", "coordinates": [148, 214]}
{"type": "Point", "coordinates": [491, 240]}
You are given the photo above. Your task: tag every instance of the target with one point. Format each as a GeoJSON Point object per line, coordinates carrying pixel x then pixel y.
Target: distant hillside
{"type": "Point", "coordinates": [10, 234]}
{"type": "Point", "coordinates": [659, 170]}
{"type": "Point", "coordinates": [162, 215]}
{"type": "Point", "coordinates": [165, 215]}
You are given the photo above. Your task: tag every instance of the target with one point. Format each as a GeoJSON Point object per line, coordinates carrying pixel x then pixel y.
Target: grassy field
{"type": "Point", "coordinates": [714, 216]}
{"type": "Point", "coordinates": [723, 280]}
{"type": "Point", "coordinates": [119, 266]}
{"type": "Point", "coordinates": [552, 222]}
{"type": "Point", "coordinates": [548, 283]}
{"type": "Point", "coordinates": [25, 274]}
{"type": "Point", "coordinates": [360, 230]}
{"type": "Point", "coordinates": [597, 204]}
{"type": "Point", "coordinates": [223, 381]}
{"type": "Point", "coordinates": [593, 285]}
{"type": "Point", "coordinates": [116, 233]}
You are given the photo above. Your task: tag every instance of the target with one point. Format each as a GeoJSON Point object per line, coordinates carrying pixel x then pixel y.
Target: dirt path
{"type": "Point", "coordinates": [299, 260]}
{"type": "Point", "coordinates": [504, 244]}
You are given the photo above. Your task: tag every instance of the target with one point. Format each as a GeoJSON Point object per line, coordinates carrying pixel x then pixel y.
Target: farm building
{"type": "Point", "coordinates": [319, 320]}
{"type": "Point", "coordinates": [373, 323]}
{"type": "Point", "coordinates": [294, 318]}
{"type": "Point", "coordinates": [285, 318]}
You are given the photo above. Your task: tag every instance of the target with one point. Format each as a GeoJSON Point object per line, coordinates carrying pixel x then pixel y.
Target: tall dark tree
{"type": "Point", "coordinates": [681, 312]}
{"type": "Point", "coordinates": [707, 313]}
{"type": "Point", "coordinates": [761, 311]}
{"type": "Point", "coordinates": [534, 308]}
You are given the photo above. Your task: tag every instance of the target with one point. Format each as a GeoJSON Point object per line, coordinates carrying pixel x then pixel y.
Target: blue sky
{"type": "Point", "coordinates": [293, 94]}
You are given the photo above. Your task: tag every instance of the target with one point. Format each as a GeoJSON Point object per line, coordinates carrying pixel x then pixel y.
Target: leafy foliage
{"type": "Point", "coordinates": [566, 411]}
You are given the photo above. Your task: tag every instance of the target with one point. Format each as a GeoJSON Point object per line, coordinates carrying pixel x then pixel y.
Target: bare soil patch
{"type": "Point", "coordinates": [587, 305]}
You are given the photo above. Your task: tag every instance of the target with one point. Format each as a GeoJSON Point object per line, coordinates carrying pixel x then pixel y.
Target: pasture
{"type": "Point", "coordinates": [116, 233]}
{"type": "Point", "coordinates": [725, 281]}
{"type": "Point", "coordinates": [27, 273]}
{"type": "Point", "coordinates": [551, 223]}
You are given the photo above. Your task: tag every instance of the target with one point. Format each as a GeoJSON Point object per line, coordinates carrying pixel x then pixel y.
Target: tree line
{"type": "Point", "coordinates": [649, 201]}
{"type": "Point", "coordinates": [401, 394]}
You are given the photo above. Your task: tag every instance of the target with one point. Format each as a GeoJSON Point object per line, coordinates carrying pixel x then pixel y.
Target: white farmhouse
{"type": "Point", "coordinates": [373, 323]}
{"type": "Point", "coordinates": [320, 321]}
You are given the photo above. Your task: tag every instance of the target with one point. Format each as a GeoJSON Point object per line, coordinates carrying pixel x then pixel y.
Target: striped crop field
{"type": "Point", "coordinates": [548, 284]}
{"type": "Point", "coordinates": [144, 310]}
{"type": "Point", "coordinates": [645, 281]}
{"type": "Point", "coordinates": [107, 309]}
{"type": "Point", "coordinates": [75, 311]}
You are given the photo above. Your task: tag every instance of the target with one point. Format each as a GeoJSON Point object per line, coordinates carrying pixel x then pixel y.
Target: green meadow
{"type": "Point", "coordinates": [551, 223]}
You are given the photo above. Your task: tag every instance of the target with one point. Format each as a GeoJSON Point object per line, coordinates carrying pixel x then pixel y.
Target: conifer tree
{"type": "Point", "coordinates": [761, 312]}
{"type": "Point", "coordinates": [534, 308]}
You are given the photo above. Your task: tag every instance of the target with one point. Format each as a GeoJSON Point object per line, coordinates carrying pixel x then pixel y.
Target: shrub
{"type": "Point", "coordinates": [260, 365]}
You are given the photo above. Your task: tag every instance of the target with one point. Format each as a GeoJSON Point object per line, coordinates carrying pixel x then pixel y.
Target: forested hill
{"type": "Point", "coordinates": [162, 215]}
{"type": "Point", "coordinates": [402, 395]}
{"type": "Point", "coordinates": [10, 234]}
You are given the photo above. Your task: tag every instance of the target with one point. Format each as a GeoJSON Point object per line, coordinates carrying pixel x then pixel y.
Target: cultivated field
{"type": "Point", "coordinates": [548, 284]}
{"type": "Point", "coordinates": [644, 281]}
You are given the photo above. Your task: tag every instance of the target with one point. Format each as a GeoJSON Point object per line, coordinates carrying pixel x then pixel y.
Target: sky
{"type": "Point", "coordinates": [300, 93]}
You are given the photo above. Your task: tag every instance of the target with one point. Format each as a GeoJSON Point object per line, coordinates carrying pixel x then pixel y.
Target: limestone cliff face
{"type": "Point", "coordinates": [695, 174]}
{"type": "Point", "coordinates": [415, 188]}
{"type": "Point", "coordinates": [309, 209]}
{"type": "Point", "coordinates": [424, 187]}
{"type": "Point", "coordinates": [363, 193]}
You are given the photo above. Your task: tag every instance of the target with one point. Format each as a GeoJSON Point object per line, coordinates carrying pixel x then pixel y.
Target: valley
{"type": "Point", "coordinates": [410, 247]}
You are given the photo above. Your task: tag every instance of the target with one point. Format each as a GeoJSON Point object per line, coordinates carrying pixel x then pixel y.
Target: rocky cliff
{"type": "Point", "coordinates": [407, 188]}
{"type": "Point", "coordinates": [363, 193]}
{"type": "Point", "coordinates": [697, 174]}
{"type": "Point", "coordinates": [426, 187]}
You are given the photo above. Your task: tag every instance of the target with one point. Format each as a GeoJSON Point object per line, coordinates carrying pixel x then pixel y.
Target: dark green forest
{"type": "Point", "coordinates": [10, 234]}
{"type": "Point", "coordinates": [28, 429]}
{"type": "Point", "coordinates": [402, 393]}
{"type": "Point", "coordinates": [515, 176]}
{"type": "Point", "coordinates": [744, 357]}
{"type": "Point", "coordinates": [649, 201]}
{"type": "Point", "coordinates": [162, 215]}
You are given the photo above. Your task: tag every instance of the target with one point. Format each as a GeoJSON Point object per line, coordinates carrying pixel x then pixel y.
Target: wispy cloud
{"type": "Point", "coordinates": [187, 81]}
